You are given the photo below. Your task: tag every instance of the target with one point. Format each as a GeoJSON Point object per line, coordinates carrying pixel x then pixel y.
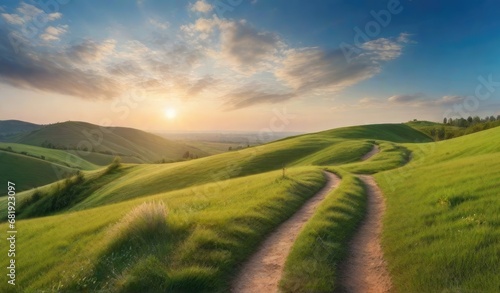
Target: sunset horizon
{"type": "Point", "coordinates": [202, 65]}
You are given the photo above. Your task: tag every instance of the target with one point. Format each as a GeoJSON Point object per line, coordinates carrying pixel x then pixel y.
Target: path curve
{"type": "Point", "coordinates": [365, 269]}
{"type": "Point", "coordinates": [375, 150]}
{"type": "Point", "coordinates": [262, 272]}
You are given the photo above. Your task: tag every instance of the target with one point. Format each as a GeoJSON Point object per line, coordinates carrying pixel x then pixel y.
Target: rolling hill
{"type": "Point", "coordinates": [188, 226]}
{"type": "Point", "coordinates": [9, 128]}
{"type": "Point", "coordinates": [89, 141]}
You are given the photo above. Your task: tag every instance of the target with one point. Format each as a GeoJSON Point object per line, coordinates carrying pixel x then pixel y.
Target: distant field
{"type": "Point", "coordinates": [126, 142]}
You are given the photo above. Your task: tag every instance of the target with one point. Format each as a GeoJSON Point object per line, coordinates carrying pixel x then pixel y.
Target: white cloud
{"type": "Point", "coordinates": [163, 25]}
{"type": "Point", "coordinates": [27, 13]}
{"type": "Point", "coordinates": [13, 19]}
{"type": "Point", "coordinates": [28, 10]}
{"type": "Point", "coordinates": [52, 33]}
{"type": "Point", "coordinates": [54, 16]}
{"type": "Point", "coordinates": [201, 6]}
{"type": "Point", "coordinates": [385, 49]}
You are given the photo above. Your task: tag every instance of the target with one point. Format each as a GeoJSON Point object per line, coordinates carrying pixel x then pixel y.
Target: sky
{"type": "Point", "coordinates": [248, 65]}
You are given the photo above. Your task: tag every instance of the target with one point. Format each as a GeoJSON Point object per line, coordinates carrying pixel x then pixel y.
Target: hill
{"type": "Point", "coordinates": [29, 172]}
{"type": "Point", "coordinates": [187, 226]}
{"type": "Point", "coordinates": [32, 166]}
{"type": "Point", "coordinates": [88, 140]}
{"type": "Point", "coordinates": [9, 128]}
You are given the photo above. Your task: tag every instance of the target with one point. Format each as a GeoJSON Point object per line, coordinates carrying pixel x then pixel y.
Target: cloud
{"type": "Point", "coordinates": [421, 100]}
{"type": "Point", "coordinates": [13, 19]}
{"type": "Point", "coordinates": [201, 85]}
{"type": "Point", "coordinates": [237, 43]}
{"type": "Point", "coordinates": [163, 25]}
{"type": "Point", "coordinates": [27, 13]}
{"type": "Point", "coordinates": [201, 6]}
{"type": "Point", "coordinates": [383, 49]}
{"type": "Point", "coordinates": [91, 51]}
{"type": "Point", "coordinates": [407, 98]}
{"type": "Point", "coordinates": [52, 33]}
{"type": "Point", "coordinates": [252, 95]}
{"type": "Point", "coordinates": [313, 69]}
{"type": "Point", "coordinates": [449, 100]}
{"type": "Point", "coordinates": [52, 74]}
{"type": "Point", "coordinates": [246, 48]}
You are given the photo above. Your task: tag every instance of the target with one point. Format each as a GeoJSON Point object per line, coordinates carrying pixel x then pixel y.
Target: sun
{"type": "Point", "coordinates": [170, 113]}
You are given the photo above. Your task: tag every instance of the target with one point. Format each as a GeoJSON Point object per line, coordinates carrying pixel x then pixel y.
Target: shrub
{"type": "Point", "coordinates": [117, 162]}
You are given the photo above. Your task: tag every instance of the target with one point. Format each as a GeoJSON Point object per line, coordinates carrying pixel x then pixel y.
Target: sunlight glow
{"type": "Point", "coordinates": [170, 113]}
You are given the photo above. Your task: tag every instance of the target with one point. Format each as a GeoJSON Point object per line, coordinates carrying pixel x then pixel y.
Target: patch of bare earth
{"type": "Point", "coordinates": [375, 150]}
{"type": "Point", "coordinates": [262, 272]}
{"type": "Point", "coordinates": [365, 269]}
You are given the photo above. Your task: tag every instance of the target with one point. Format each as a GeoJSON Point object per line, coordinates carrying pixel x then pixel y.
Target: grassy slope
{"type": "Point", "coordinates": [309, 149]}
{"type": "Point", "coordinates": [16, 168]}
{"type": "Point", "coordinates": [441, 228]}
{"type": "Point", "coordinates": [54, 156]}
{"type": "Point", "coordinates": [210, 235]}
{"type": "Point", "coordinates": [215, 227]}
{"type": "Point", "coordinates": [126, 141]}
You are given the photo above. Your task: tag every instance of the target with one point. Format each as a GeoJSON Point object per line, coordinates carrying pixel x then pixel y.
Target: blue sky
{"type": "Point", "coordinates": [234, 64]}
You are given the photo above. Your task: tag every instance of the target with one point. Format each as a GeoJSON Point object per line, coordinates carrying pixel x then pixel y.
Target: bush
{"type": "Point", "coordinates": [117, 162]}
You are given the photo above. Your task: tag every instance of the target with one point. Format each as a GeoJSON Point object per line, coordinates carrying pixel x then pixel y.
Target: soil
{"type": "Point", "coordinates": [263, 271]}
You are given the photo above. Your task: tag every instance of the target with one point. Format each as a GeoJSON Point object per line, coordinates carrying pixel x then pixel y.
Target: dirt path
{"type": "Point", "coordinates": [262, 272]}
{"type": "Point", "coordinates": [375, 150]}
{"type": "Point", "coordinates": [365, 269]}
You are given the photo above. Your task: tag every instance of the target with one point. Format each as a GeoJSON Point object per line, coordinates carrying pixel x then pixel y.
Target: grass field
{"type": "Point", "coordinates": [206, 216]}
{"type": "Point", "coordinates": [443, 210]}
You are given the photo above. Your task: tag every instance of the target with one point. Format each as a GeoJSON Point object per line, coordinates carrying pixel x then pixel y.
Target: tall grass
{"type": "Point", "coordinates": [143, 223]}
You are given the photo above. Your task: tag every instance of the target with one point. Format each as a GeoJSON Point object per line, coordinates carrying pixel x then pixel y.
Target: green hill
{"type": "Point", "coordinates": [186, 226]}
{"type": "Point", "coordinates": [29, 172]}
{"type": "Point", "coordinates": [87, 139]}
{"type": "Point", "coordinates": [10, 128]}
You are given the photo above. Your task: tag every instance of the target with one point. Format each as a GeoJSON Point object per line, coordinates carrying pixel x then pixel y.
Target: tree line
{"type": "Point", "coordinates": [452, 128]}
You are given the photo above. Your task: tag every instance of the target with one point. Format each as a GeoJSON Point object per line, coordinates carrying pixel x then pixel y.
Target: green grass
{"type": "Point", "coordinates": [313, 263]}
{"type": "Point", "coordinates": [28, 172]}
{"type": "Point", "coordinates": [208, 237]}
{"type": "Point", "coordinates": [441, 226]}
{"type": "Point", "coordinates": [440, 230]}
{"type": "Point", "coordinates": [60, 157]}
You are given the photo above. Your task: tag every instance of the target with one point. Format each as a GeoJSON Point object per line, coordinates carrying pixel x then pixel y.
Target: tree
{"type": "Point", "coordinates": [498, 118]}
{"type": "Point", "coordinates": [445, 120]}
{"type": "Point", "coordinates": [492, 118]}
{"type": "Point", "coordinates": [470, 120]}
{"type": "Point", "coordinates": [450, 121]}
{"type": "Point", "coordinates": [230, 149]}
{"type": "Point", "coordinates": [441, 133]}
{"type": "Point", "coordinates": [186, 155]}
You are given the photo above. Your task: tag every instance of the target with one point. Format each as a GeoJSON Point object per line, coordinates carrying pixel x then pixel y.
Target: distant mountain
{"type": "Point", "coordinates": [90, 141]}
{"type": "Point", "coordinates": [13, 127]}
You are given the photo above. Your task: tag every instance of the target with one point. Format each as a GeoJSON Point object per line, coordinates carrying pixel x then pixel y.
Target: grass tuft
{"type": "Point", "coordinates": [143, 223]}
